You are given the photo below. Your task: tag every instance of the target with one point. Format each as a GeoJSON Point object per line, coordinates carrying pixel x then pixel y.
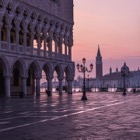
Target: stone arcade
{"type": "Point", "coordinates": [35, 35]}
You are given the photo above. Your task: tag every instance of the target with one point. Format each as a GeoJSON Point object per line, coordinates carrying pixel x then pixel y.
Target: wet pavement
{"type": "Point", "coordinates": [104, 116]}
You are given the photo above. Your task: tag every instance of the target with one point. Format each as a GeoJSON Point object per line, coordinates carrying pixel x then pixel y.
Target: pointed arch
{"type": "Point", "coordinates": [21, 63]}
{"type": "Point", "coordinates": [36, 67]}
{"type": "Point", "coordinates": [68, 72]}
{"type": "Point", "coordinates": [5, 63]}
{"type": "Point", "coordinates": [58, 68]}
{"type": "Point", "coordinates": [48, 69]}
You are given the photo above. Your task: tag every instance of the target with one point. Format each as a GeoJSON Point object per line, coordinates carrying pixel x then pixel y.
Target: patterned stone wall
{"type": "Point", "coordinates": [60, 8]}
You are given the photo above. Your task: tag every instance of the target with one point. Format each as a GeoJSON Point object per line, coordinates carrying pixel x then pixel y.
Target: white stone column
{"type": "Point", "coordinates": [60, 45]}
{"type": "Point", "coordinates": [50, 43]}
{"type": "Point", "coordinates": [0, 32]}
{"type": "Point", "coordinates": [7, 85]}
{"type": "Point", "coordinates": [56, 46]}
{"type": "Point", "coordinates": [69, 86]}
{"type": "Point", "coordinates": [37, 86]}
{"type": "Point", "coordinates": [38, 44]}
{"type": "Point", "coordinates": [32, 41]}
{"type": "Point", "coordinates": [50, 46]}
{"type": "Point", "coordinates": [17, 39]}
{"type": "Point", "coordinates": [45, 41]}
{"type": "Point", "coordinates": [56, 41]}
{"type": "Point", "coordinates": [70, 51]}
{"type": "Point", "coordinates": [49, 86]}
{"type": "Point", "coordinates": [65, 49]}
{"type": "Point", "coordinates": [24, 86]}
{"type": "Point", "coordinates": [9, 36]}
{"type": "Point", "coordinates": [25, 40]}
{"type": "Point", "coordinates": [60, 86]}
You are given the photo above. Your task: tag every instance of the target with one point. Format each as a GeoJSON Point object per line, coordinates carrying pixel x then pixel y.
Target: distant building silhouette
{"type": "Point", "coordinates": [99, 64]}
{"type": "Point", "coordinates": [113, 79]}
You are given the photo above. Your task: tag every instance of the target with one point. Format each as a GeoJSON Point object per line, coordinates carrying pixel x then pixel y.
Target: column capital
{"type": "Point", "coordinates": [62, 32]}
{"type": "Point", "coordinates": [50, 38]}
{"type": "Point", "coordinates": [67, 33]}
{"type": "Point", "coordinates": [32, 27]}
{"type": "Point", "coordinates": [32, 33]}
{"type": "Point", "coordinates": [56, 37]}
{"type": "Point", "coordinates": [25, 31]}
{"type": "Point", "coordinates": [60, 78]}
{"type": "Point", "coordinates": [1, 17]}
{"type": "Point", "coordinates": [70, 40]}
{"type": "Point", "coordinates": [46, 28]}
{"type": "Point", "coordinates": [24, 77]}
{"type": "Point", "coordinates": [1, 24]}
{"type": "Point", "coordinates": [9, 26]}
{"type": "Point", "coordinates": [70, 79]}
{"type": "Point", "coordinates": [49, 78]}
{"type": "Point", "coordinates": [38, 35]}
{"type": "Point", "coordinates": [66, 40]}
{"type": "Point", "coordinates": [38, 77]}
{"type": "Point", "coordinates": [8, 19]}
{"type": "Point", "coordinates": [7, 75]}
{"type": "Point", "coordinates": [60, 40]}
{"type": "Point", "coordinates": [52, 28]}
{"type": "Point", "coordinates": [38, 29]}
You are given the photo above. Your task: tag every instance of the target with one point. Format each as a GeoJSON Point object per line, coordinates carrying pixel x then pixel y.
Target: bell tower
{"type": "Point", "coordinates": [99, 64]}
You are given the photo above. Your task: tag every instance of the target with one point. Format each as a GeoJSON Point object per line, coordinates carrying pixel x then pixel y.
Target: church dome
{"type": "Point", "coordinates": [125, 70]}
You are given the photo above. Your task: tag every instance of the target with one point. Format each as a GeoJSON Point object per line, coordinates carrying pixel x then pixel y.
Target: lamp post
{"type": "Point", "coordinates": [88, 82]}
{"type": "Point", "coordinates": [124, 74]}
{"type": "Point", "coordinates": [83, 69]}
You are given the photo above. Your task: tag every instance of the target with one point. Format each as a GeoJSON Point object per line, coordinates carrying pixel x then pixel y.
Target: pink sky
{"type": "Point", "coordinates": [114, 25]}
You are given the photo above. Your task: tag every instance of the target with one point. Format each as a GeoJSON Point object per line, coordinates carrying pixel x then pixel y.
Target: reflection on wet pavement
{"type": "Point", "coordinates": [102, 116]}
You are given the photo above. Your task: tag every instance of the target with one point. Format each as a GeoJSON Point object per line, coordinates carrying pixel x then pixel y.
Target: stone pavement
{"type": "Point", "coordinates": [104, 116]}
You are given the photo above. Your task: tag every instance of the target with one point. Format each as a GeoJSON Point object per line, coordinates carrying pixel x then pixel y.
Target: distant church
{"type": "Point", "coordinates": [113, 79]}
{"type": "Point", "coordinates": [99, 65]}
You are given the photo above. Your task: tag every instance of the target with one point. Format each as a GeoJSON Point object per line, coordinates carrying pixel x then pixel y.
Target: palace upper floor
{"type": "Point", "coordinates": [30, 31]}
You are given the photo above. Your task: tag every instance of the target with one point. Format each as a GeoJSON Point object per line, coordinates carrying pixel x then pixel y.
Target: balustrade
{"type": "Point", "coordinates": [28, 50]}
{"type": "Point", "coordinates": [4, 45]}
{"type": "Point", "coordinates": [47, 54]}
{"type": "Point", "coordinates": [42, 53]}
{"type": "Point", "coordinates": [53, 55]}
{"type": "Point", "coordinates": [13, 47]}
{"type": "Point", "coordinates": [21, 49]}
{"type": "Point", "coordinates": [34, 51]}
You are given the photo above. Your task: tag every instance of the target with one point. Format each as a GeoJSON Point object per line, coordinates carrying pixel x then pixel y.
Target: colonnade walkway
{"type": "Point", "coordinates": [104, 116]}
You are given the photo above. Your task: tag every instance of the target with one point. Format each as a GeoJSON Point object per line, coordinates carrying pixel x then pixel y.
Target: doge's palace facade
{"type": "Point", "coordinates": [35, 35]}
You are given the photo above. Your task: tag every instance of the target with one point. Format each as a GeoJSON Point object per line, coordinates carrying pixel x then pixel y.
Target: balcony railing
{"type": "Point", "coordinates": [28, 50]}
{"type": "Point", "coordinates": [4, 45]}
{"type": "Point", "coordinates": [33, 51]}
{"type": "Point", "coordinates": [42, 53]}
{"type": "Point", "coordinates": [13, 47]}
{"type": "Point", "coordinates": [21, 49]}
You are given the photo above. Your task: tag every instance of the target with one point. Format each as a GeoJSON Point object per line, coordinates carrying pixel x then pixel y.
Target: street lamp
{"type": "Point", "coordinates": [124, 74]}
{"type": "Point", "coordinates": [83, 69]}
{"type": "Point", "coordinates": [88, 82]}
